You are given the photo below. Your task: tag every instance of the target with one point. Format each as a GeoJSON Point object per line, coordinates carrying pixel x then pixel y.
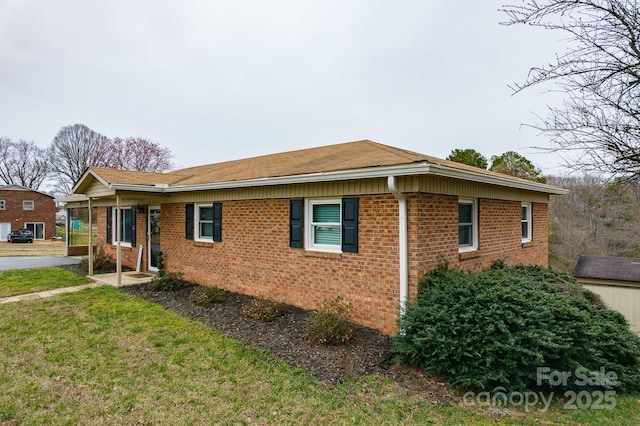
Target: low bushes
{"type": "Point", "coordinates": [496, 327]}
{"type": "Point", "coordinates": [331, 323]}
{"type": "Point", "coordinates": [208, 295]}
{"type": "Point", "coordinates": [262, 309]}
{"type": "Point", "coordinates": [102, 262]}
{"type": "Point", "coordinates": [169, 281]}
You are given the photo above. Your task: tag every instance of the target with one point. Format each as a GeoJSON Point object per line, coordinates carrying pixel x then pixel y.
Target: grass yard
{"type": "Point", "coordinates": [100, 356]}
{"type": "Point", "coordinates": [22, 281]}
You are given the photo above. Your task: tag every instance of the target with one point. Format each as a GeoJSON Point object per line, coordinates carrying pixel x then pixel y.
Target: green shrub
{"type": "Point", "coordinates": [262, 309]}
{"type": "Point", "coordinates": [331, 323]}
{"type": "Point", "coordinates": [102, 262]}
{"type": "Point", "coordinates": [169, 281]}
{"type": "Point", "coordinates": [208, 295]}
{"type": "Point", "coordinates": [160, 263]}
{"type": "Point", "coordinates": [494, 328]}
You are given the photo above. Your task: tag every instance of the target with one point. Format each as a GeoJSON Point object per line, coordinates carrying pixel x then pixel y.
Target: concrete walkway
{"type": "Point", "coordinates": [127, 278]}
{"type": "Point", "coordinates": [48, 293]}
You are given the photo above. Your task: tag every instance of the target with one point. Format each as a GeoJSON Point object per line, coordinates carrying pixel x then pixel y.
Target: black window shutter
{"type": "Point", "coordinates": [188, 221]}
{"type": "Point", "coordinates": [133, 226]}
{"type": "Point", "coordinates": [350, 225]}
{"type": "Point", "coordinates": [109, 219]}
{"type": "Point", "coordinates": [217, 222]}
{"type": "Point", "coordinates": [531, 207]}
{"type": "Point", "coordinates": [296, 223]}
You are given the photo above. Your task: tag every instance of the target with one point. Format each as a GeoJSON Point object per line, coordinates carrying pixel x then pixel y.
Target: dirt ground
{"type": "Point", "coordinates": [37, 248]}
{"type": "Point", "coordinates": [369, 352]}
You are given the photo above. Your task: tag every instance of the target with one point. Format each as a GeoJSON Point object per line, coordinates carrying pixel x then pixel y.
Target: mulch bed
{"type": "Point", "coordinates": [368, 352]}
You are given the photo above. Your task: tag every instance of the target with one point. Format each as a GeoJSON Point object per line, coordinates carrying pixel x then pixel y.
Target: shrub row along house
{"type": "Point", "coordinates": [361, 220]}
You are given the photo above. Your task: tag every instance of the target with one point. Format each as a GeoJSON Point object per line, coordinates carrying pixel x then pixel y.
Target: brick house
{"type": "Point", "coordinates": [361, 220]}
{"type": "Point", "coordinates": [22, 207]}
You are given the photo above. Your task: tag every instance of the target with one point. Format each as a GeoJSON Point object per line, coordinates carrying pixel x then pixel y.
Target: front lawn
{"type": "Point", "coordinates": [100, 356]}
{"type": "Point", "coordinates": [22, 281]}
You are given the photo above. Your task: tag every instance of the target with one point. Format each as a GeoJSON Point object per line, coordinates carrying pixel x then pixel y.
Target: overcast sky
{"type": "Point", "coordinates": [215, 81]}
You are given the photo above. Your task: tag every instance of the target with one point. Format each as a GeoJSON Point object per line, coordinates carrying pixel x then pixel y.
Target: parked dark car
{"type": "Point", "coordinates": [20, 236]}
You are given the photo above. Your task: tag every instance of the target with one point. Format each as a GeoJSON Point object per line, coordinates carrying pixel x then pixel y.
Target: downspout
{"type": "Point", "coordinates": [403, 241]}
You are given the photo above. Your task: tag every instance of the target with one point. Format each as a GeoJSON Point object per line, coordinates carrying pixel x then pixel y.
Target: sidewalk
{"type": "Point", "coordinates": [48, 293]}
{"type": "Point", "coordinates": [127, 278]}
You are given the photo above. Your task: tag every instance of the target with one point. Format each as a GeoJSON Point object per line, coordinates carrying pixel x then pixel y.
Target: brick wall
{"type": "Point", "coordinates": [254, 256]}
{"type": "Point", "coordinates": [44, 210]}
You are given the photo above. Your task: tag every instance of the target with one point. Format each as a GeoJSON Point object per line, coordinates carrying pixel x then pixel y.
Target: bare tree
{"type": "Point", "coordinates": [596, 217]}
{"type": "Point", "coordinates": [77, 147]}
{"type": "Point", "coordinates": [598, 126]}
{"type": "Point", "coordinates": [5, 147]}
{"type": "Point", "coordinates": [23, 163]}
{"type": "Point", "coordinates": [74, 149]}
{"type": "Point", "coordinates": [139, 154]}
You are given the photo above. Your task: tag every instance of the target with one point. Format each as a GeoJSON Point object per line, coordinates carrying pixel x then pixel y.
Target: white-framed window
{"type": "Point", "coordinates": [3, 204]}
{"type": "Point", "coordinates": [127, 226]}
{"type": "Point", "coordinates": [28, 205]}
{"type": "Point", "coordinates": [204, 222]}
{"type": "Point", "coordinates": [208, 222]}
{"type": "Point", "coordinates": [525, 219]}
{"type": "Point", "coordinates": [467, 225]}
{"type": "Point", "coordinates": [323, 225]}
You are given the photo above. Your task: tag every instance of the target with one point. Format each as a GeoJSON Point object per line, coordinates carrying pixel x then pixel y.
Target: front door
{"type": "Point", "coordinates": [154, 237]}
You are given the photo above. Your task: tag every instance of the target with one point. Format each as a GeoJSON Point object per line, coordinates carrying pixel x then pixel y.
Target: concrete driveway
{"type": "Point", "coordinates": [36, 255]}
{"type": "Point", "coordinates": [28, 262]}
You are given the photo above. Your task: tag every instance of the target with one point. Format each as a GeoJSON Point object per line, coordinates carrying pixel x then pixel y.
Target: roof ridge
{"type": "Point", "coordinates": [274, 154]}
{"type": "Point", "coordinates": [409, 155]}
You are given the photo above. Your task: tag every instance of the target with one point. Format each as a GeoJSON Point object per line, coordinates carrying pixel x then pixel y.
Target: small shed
{"type": "Point", "coordinates": [616, 280]}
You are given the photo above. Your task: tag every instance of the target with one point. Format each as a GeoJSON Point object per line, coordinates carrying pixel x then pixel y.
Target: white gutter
{"type": "Point", "coordinates": [423, 168]}
{"type": "Point", "coordinates": [403, 242]}
{"type": "Point", "coordinates": [437, 170]}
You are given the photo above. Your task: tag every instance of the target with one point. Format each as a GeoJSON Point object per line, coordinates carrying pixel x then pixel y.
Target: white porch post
{"type": "Point", "coordinates": [66, 231]}
{"type": "Point", "coordinates": [118, 234]}
{"type": "Point", "coordinates": [90, 248]}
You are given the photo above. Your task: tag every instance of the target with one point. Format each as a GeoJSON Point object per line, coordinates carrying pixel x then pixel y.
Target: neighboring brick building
{"type": "Point", "coordinates": [361, 220]}
{"type": "Point", "coordinates": [22, 207]}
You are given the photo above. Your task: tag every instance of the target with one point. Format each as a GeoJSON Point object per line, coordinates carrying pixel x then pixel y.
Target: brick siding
{"type": "Point", "coordinates": [254, 256]}
{"type": "Point", "coordinates": [44, 210]}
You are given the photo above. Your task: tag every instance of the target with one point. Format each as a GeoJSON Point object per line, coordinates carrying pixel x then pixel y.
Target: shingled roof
{"type": "Point", "coordinates": [608, 268]}
{"type": "Point", "coordinates": [344, 156]}
{"type": "Point", "coordinates": [350, 156]}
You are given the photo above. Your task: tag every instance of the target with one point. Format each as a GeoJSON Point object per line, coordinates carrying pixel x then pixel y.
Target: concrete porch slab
{"type": "Point", "coordinates": [126, 278]}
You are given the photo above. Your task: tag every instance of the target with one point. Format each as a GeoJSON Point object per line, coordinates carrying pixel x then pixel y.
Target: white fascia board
{"type": "Point", "coordinates": [138, 188]}
{"type": "Point", "coordinates": [368, 173]}
{"type": "Point", "coordinates": [84, 176]}
{"type": "Point", "coordinates": [437, 170]}
{"type": "Point", "coordinates": [423, 168]}
{"type": "Point", "coordinates": [71, 200]}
